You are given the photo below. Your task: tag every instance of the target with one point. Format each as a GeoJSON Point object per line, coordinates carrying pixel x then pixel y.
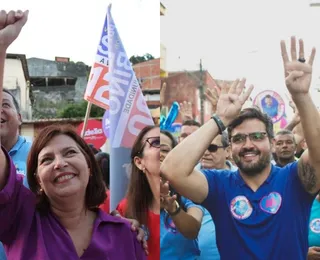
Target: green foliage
{"type": "Point", "coordinates": [76, 110]}
{"type": "Point", "coordinates": [138, 59]}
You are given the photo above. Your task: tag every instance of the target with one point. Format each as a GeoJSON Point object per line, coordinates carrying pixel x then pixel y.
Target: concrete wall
{"type": "Point", "coordinates": [49, 99]}
{"type": "Point", "coordinates": [15, 81]}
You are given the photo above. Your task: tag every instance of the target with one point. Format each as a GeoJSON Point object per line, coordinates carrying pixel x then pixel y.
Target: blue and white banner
{"type": "Point", "coordinates": [128, 113]}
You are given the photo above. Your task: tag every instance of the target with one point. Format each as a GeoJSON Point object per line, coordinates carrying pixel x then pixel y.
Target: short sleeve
{"type": "Point", "coordinates": [122, 207]}
{"type": "Point", "coordinates": [189, 204]}
{"type": "Point", "coordinates": [212, 188]}
{"type": "Point", "coordinates": [17, 205]}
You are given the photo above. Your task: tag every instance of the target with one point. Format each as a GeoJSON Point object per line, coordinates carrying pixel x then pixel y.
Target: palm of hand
{"type": "Point", "coordinates": [298, 84]}
{"type": "Point", "coordinates": [298, 74]}
{"type": "Point", "coordinates": [232, 99]}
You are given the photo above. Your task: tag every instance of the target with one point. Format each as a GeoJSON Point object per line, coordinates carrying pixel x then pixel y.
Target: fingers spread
{"type": "Point", "coordinates": [293, 48]}
{"type": "Point", "coordinates": [311, 59]}
{"type": "Point", "coordinates": [301, 49]}
{"type": "Point", "coordinates": [284, 53]}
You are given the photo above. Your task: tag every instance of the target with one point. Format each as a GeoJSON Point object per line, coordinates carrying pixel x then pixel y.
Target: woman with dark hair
{"type": "Point", "coordinates": [142, 201]}
{"type": "Point", "coordinates": [103, 161]}
{"type": "Point", "coordinates": [180, 219]}
{"type": "Point", "coordinates": [59, 218]}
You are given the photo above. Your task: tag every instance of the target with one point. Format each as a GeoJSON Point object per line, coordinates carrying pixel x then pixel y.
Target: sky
{"type": "Point", "coordinates": [70, 28]}
{"type": "Point", "coordinates": [238, 39]}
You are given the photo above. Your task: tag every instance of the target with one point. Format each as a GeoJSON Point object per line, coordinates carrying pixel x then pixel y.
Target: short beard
{"type": "Point", "coordinates": [253, 169]}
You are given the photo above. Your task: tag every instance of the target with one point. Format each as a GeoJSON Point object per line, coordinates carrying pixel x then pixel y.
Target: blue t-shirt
{"type": "Point", "coordinates": [271, 223]}
{"type": "Point", "coordinates": [173, 245]}
{"type": "Point", "coordinates": [19, 154]}
{"type": "Point", "coordinates": [207, 239]}
{"type": "Point", "coordinates": [314, 225]}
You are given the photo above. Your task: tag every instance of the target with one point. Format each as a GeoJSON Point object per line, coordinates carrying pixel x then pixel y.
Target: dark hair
{"type": "Point", "coordinates": [286, 132]}
{"type": "Point", "coordinates": [268, 96]}
{"type": "Point", "coordinates": [252, 113]}
{"type": "Point", "coordinates": [95, 192]}
{"type": "Point", "coordinates": [15, 102]}
{"type": "Point", "coordinates": [171, 137]}
{"type": "Point", "coordinates": [139, 195]}
{"type": "Point", "coordinates": [225, 139]}
{"type": "Point", "coordinates": [93, 149]}
{"type": "Point", "coordinates": [103, 160]}
{"type": "Point", "coordinates": [191, 122]}
{"type": "Point", "coordinates": [172, 191]}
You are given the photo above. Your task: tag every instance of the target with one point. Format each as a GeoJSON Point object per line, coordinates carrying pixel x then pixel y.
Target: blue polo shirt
{"type": "Point", "coordinates": [314, 225]}
{"type": "Point", "coordinates": [173, 244]}
{"type": "Point", "coordinates": [19, 154]}
{"type": "Point", "coordinates": [271, 223]}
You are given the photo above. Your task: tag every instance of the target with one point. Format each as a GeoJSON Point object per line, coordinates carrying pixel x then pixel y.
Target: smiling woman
{"type": "Point", "coordinates": [66, 189]}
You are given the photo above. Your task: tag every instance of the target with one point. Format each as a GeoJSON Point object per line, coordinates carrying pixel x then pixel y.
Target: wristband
{"type": "Point", "coordinates": [175, 212]}
{"type": "Point", "coordinates": [219, 123]}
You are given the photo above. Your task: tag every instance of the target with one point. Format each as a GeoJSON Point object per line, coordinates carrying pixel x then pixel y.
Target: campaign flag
{"type": "Point", "coordinates": [128, 113]}
{"type": "Point", "coordinates": [97, 91]}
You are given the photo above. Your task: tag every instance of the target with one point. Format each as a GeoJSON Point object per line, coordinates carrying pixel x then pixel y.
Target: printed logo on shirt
{"type": "Point", "coordinates": [20, 167]}
{"type": "Point", "coordinates": [271, 203]}
{"type": "Point", "coordinates": [170, 226]}
{"type": "Point", "coordinates": [146, 232]}
{"type": "Point", "coordinates": [315, 225]}
{"type": "Point", "coordinates": [240, 207]}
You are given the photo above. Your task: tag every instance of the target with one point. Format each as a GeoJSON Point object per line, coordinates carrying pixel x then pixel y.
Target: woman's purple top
{"type": "Point", "coordinates": [30, 236]}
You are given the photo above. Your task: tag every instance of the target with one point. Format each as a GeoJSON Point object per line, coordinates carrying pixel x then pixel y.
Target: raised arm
{"type": "Point", "coordinates": [10, 26]}
{"type": "Point", "coordinates": [298, 80]}
{"type": "Point", "coordinates": [178, 166]}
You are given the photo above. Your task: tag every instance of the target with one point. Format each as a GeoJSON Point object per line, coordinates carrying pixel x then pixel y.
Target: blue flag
{"type": "Point", "coordinates": [128, 113]}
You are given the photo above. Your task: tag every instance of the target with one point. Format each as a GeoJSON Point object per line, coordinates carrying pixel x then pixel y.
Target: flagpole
{"type": "Point", "coordinates": [86, 118]}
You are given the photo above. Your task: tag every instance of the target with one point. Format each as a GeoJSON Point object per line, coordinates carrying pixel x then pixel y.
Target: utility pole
{"type": "Point", "coordinates": [201, 93]}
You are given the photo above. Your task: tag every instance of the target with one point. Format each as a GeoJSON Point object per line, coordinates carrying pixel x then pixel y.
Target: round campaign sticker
{"type": "Point", "coordinates": [240, 207]}
{"type": "Point", "coordinates": [315, 225]}
{"type": "Point", "coordinates": [271, 203]}
{"type": "Point", "coordinates": [271, 103]}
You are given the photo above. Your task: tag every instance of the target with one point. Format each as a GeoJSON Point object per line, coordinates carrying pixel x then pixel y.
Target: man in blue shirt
{"type": "Point", "coordinates": [17, 145]}
{"type": "Point", "coordinates": [260, 211]}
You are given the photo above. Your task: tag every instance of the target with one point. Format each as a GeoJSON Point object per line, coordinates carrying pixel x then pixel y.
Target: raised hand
{"type": "Point", "coordinates": [231, 100]}
{"type": "Point", "coordinates": [167, 201]}
{"type": "Point", "coordinates": [298, 73]}
{"type": "Point", "coordinates": [10, 26]}
{"type": "Point", "coordinates": [186, 110]}
{"type": "Point", "coordinates": [162, 93]}
{"type": "Point", "coordinates": [212, 96]}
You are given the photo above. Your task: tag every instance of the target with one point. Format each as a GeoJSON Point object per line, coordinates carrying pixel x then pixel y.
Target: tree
{"type": "Point", "coordinates": [76, 110]}
{"type": "Point", "coordinates": [135, 59]}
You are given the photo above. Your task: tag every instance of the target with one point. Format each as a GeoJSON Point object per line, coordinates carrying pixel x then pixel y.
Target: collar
{"type": "Point", "coordinates": [242, 183]}
{"type": "Point", "coordinates": [17, 146]}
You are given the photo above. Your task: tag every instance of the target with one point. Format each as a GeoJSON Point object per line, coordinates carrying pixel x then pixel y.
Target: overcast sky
{"type": "Point", "coordinates": [238, 38]}
{"type": "Point", "coordinates": [72, 28]}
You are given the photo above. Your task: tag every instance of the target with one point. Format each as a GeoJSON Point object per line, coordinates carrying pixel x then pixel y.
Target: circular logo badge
{"type": "Point", "coordinates": [271, 103]}
{"type": "Point", "coordinates": [240, 207]}
{"type": "Point", "coordinates": [315, 225]}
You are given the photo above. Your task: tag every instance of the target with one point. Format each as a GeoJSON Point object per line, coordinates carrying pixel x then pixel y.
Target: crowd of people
{"type": "Point", "coordinates": [231, 188]}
